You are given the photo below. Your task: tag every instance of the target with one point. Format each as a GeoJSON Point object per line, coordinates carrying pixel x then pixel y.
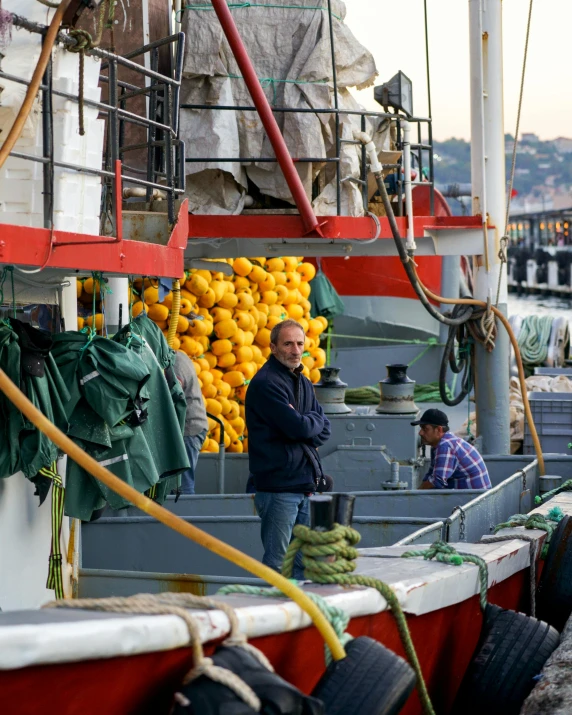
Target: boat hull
{"type": "Point", "coordinates": [378, 297]}
{"type": "Point", "coordinates": [143, 684]}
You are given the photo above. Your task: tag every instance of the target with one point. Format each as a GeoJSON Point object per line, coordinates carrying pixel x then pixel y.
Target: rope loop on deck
{"type": "Point", "coordinates": [447, 554]}
{"type": "Point", "coordinates": [338, 618]}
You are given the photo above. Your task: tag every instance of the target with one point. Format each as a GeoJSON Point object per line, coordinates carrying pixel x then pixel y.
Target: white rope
{"type": "Point", "coordinates": [174, 604]}
{"type": "Point", "coordinates": [235, 637]}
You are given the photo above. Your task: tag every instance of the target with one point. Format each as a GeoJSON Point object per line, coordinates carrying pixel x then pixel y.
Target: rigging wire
{"type": "Point", "coordinates": [518, 113]}
{"type": "Point", "coordinates": [427, 61]}
{"type": "Point", "coordinates": [504, 239]}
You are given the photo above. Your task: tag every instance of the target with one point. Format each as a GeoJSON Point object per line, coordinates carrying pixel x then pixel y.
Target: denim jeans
{"type": "Point", "coordinates": [193, 446]}
{"type": "Point", "coordinates": [279, 512]}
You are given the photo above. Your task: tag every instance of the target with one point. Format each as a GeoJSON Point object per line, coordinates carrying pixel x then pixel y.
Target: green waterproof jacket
{"type": "Point", "coordinates": [106, 382]}
{"type": "Point", "coordinates": [145, 328]}
{"type": "Point", "coordinates": [22, 446]}
{"type": "Point", "coordinates": [122, 413]}
{"type": "Point", "coordinates": [163, 428]}
{"type": "Point", "coordinates": [103, 371]}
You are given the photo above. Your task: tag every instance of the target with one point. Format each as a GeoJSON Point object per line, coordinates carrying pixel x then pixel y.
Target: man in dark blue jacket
{"type": "Point", "coordinates": [286, 425]}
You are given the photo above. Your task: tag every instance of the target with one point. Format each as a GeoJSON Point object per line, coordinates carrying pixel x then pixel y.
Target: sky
{"type": "Point", "coordinates": [393, 30]}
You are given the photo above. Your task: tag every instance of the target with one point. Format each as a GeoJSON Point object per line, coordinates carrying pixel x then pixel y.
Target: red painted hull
{"type": "Point", "coordinates": [379, 276]}
{"type": "Point", "coordinates": [143, 685]}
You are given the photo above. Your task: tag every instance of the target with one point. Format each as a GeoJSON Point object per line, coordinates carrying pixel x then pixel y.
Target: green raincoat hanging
{"type": "Point", "coordinates": [107, 383]}
{"type": "Point", "coordinates": [25, 357]}
{"type": "Point", "coordinates": [163, 428]}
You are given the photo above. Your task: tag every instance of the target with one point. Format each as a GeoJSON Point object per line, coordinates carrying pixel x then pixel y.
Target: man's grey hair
{"type": "Point", "coordinates": [277, 329]}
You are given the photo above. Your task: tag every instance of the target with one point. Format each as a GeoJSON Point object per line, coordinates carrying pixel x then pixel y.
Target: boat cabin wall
{"type": "Point", "coordinates": [76, 197]}
{"type": "Point", "coordinates": [358, 456]}
{"type": "Point", "coordinates": [25, 529]}
{"type": "Point", "coordinates": [25, 537]}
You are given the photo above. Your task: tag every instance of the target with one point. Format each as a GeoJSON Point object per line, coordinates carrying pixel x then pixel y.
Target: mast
{"type": "Point", "coordinates": [488, 187]}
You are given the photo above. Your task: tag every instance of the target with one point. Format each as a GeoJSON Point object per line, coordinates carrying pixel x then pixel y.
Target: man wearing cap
{"type": "Point", "coordinates": [455, 464]}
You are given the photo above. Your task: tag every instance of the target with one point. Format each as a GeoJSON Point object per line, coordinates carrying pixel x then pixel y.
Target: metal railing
{"type": "Point", "coordinates": [479, 516]}
{"type": "Point", "coordinates": [165, 152]}
{"type": "Point", "coordinates": [419, 150]}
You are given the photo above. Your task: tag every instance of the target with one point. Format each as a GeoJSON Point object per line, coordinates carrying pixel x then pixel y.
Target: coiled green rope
{"type": "Point", "coordinates": [370, 394]}
{"type": "Point", "coordinates": [533, 338]}
{"type": "Point", "coordinates": [337, 554]}
{"type": "Point", "coordinates": [535, 521]}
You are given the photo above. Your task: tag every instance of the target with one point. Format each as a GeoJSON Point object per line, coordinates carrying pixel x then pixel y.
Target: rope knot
{"type": "Point", "coordinates": [326, 555]}
{"type": "Point", "coordinates": [439, 547]}
{"type": "Point", "coordinates": [440, 551]}
{"type": "Point", "coordinates": [83, 41]}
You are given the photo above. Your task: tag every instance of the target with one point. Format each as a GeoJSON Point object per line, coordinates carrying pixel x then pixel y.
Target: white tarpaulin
{"type": "Point", "coordinates": [289, 45]}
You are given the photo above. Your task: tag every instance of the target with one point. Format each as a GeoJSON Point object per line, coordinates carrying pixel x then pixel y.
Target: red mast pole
{"type": "Point", "coordinates": [266, 116]}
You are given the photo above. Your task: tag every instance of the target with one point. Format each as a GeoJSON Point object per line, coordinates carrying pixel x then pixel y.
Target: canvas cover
{"type": "Point", "coordinates": [288, 42]}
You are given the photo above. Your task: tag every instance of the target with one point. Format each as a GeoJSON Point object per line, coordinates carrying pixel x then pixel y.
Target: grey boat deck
{"type": "Point", "coordinates": [128, 552]}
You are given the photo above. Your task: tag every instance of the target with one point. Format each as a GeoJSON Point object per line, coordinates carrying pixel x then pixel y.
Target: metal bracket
{"type": "Point", "coordinates": [361, 441]}
{"type": "Point", "coordinates": [201, 264]}
{"type": "Point", "coordinates": [75, 10]}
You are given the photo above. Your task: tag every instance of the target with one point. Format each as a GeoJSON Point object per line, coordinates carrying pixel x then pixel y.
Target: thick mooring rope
{"type": "Point", "coordinates": [566, 487]}
{"type": "Point", "coordinates": [535, 521]}
{"type": "Point", "coordinates": [329, 557]}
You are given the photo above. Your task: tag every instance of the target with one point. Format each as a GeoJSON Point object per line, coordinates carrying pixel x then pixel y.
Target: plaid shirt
{"type": "Point", "coordinates": [456, 464]}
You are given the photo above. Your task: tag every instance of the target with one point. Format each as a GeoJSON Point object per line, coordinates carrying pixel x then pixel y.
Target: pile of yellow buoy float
{"type": "Point", "coordinates": [229, 341]}
{"type": "Point", "coordinates": [86, 288]}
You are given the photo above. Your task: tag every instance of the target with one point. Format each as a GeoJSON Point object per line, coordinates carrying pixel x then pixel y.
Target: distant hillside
{"type": "Point", "coordinates": [543, 168]}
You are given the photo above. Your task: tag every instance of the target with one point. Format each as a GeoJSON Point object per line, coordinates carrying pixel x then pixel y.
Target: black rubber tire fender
{"type": "Point", "coordinates": [554, 593]}
{"type": "Point", "coordinates": [512, 650]}
{"type": "Point", "coordinates": [370, 680]}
